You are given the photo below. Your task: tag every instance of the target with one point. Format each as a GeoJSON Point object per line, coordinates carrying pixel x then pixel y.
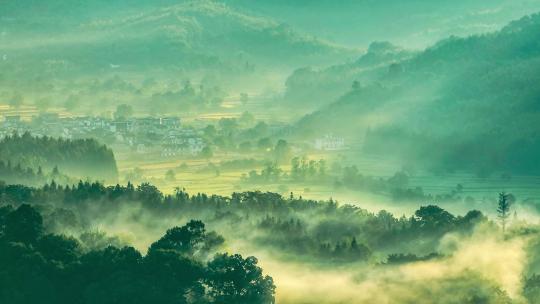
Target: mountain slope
{"type": "Point", "coordinates": [461, 102]}
{"type": "Point", "coordinates": [58, 52]}
{"type": "Point", "coordinates": [411, 23]}
{"type": "Point", "coordinates": [312, 88]}
{"type": "Point", "coordinates": [177, 34]}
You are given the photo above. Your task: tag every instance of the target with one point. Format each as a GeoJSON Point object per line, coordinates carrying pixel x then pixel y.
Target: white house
{"type": "Point", "coordinates": [329, 143]}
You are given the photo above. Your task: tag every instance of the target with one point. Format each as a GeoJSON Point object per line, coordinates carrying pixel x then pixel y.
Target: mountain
{"type": "Point", "coordinates": [412, 23]}
{"type": "Point", "coordinates": [67, 53]}
{"type": "Point", "coordinates": [187, 34]}
{"type": "Point", "coordinates": [311, 88]}
{"type": "Point", "coordinates": [459, 103]}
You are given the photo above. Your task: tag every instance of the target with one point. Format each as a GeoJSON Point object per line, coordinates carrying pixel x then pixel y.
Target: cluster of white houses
{"type": "Point", "coordinates": [329, 142]}
{"type": "Point", "coordinates": [162, 135]}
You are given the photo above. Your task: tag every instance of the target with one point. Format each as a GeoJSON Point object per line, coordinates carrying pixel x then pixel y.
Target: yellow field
{"type": "Point", "coordinates": [198, 178]}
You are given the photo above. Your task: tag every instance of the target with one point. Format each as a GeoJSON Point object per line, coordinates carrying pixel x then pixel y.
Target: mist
{"type": "Point", "coordinates": [261, 152]}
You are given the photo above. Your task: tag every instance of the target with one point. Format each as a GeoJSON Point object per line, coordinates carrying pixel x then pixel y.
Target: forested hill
{"type": "Point", "coordinates": [79, 158]}
{"type": "Point", "coordinates": [120, 51]}
{"type": "Point", "coordinates": [189, 34]}
{"type": "Point", "coordinates": [411, 22]}
{"type": "Point", "coordinates": [462, 95]}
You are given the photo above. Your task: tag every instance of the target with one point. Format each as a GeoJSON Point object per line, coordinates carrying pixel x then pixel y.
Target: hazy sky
{"type": "Point", "coordinates": [411, 23]}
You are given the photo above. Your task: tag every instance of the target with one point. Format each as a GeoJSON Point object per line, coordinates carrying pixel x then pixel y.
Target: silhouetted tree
{"type": "Point", "coordinates": [24, 224]}
{"type": "Point", "coordinates": [235, 280]}
{"type": "Point", "coordinates": [434, 217]}
{"type": "Point", "coordinates": [503, 209]}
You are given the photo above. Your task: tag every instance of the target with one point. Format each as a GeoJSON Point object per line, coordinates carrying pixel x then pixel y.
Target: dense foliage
{"type": "Point", "coordinates": [182, 267]}
{"type": "Point", "coordinates": [38, 267]}
{"type": "Point", "coordinates": [292, 226]}
{"type": "Point", "coordinates": [461, 95]}
{"type": "Point", "coordinates": [310, 172]}
{"type": "Point", "coordinates": [80, 158]}
{"type": "Point", "coordinates": [27, 176]}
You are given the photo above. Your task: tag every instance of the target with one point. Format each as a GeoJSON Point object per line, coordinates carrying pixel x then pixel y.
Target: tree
{"type": "Point", "coordinates": [247, 119]}
{"type": "Point", "coordinates": [282, 151]}
{"type": "Point", "coordinates": [37, 268]}
{"type": "Point", "coordinates": [228, 125]}
{"type": "Point", "coordinates": [244, 98]}
{"type": "Point", "coordinates": [210, 131]}
{"type": "Point", "coordinates": [123, 111]}
{"type": "Point", "coordinates": [24, 225]}
{"type": "Point", "coordinates": [188, 90]}
{"type": "Point", "coordinates": [434, 217]}
{"type": "Point", "coordinates": [59, 248]}
{"type": "Point", "coordinates": [170, 175]}
{"type": "Point", "coordinates": [149, 194]}
{"type": "Point", "coordinates": [264, 143]}
{"type": "Point", "coordinates": [77, 158]}
{"type": "Point", "coordinates": [233, 279]}
{"type": "Point", "coordinates": [137, 174]}
{"type": "Point", "coordinates": [503, 209]}
{"type": "Point", "coordinates": [296, 173]}
{"type": "Point", "coordinates": [322, 168]}
{"type": "Point", "coordinates": [470, 219]}
{"type": "Point", "coordinates": [531, 290]}
{"type": "Point", "coordinates": [186, 239]}
{"type": "Point", "coordinates": [259, 130]}
{"type": "Point", "coordinates": [207, 152]}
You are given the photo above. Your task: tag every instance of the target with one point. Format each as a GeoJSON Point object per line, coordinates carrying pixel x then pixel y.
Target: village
{"type": "Point", "coordinates": [162, 137]}
{"type": "Point", "coordinates": [143, 135]}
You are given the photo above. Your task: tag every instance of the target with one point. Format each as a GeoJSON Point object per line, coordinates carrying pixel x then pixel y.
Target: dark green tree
{"type": "Point", "coordinates": [434, 217]}
{"type": "Point", "coordinates": [189, 239]}
{"type": "Point", "coordinates": [123, 111]}
{"type": "Point", "coordinates": [503, 209]}
{"type": "Point", "coordinates": [235, 280]}
{"type": "Point", "coordinates": [24, 224]}
{"type": "Point", "coordinates": [207, 152]}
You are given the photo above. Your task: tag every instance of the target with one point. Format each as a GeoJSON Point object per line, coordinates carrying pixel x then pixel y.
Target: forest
{"type": "Point", "coordinates": [51, 231]}
{"type": "Point", "coordinates": [77, 158]}
{"type": "Point", "coordinates": [270, 151]}
{"type": "Point", "coordinates": [49, 268]}
{"type": "Point", "coordinates": [411, 101]}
